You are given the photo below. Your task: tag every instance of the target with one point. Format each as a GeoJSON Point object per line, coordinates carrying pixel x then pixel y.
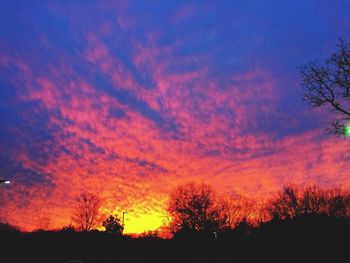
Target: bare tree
{"type": "Point", "coordinates": [295, 200]}
{"type": "Point", "coordinates": [338, 203]}
{"type": "Point", "coordinates": [236, 209]}
{"type": "Point", "coordinates": [329, 85]}
{"type": "Point", "coordinates": [85, 215]}
{"type": "Point", "coordinates": [195, 208]}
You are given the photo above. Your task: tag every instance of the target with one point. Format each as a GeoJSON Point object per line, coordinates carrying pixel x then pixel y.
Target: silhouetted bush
{"type": "Point", "coordinates": [113, 225]}
{"type": "Point", "coordinates": [7, 228]}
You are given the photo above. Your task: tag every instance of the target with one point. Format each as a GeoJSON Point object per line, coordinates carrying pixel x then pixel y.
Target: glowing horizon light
{"type": "Point", "coordinates": [143, 222]}
{"type": "Point", "coordinates": [5, 181]}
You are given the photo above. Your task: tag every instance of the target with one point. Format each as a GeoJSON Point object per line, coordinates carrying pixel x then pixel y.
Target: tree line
{"type": "Point", "coordinates": [206, 226]}
{"type": "Point", "coordinates": [197, 208]}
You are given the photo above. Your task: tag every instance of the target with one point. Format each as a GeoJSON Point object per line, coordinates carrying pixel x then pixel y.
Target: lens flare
{"type": "Point", "coordinates": [347, 130]}
{"type": "Point", "coordinates": [5, 182]}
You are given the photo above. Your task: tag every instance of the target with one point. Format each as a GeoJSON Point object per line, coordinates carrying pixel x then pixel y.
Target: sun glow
{"type": "Point", "coordinates": [138, 218]}
{"type": "Point", "coordinates": [141, 223]}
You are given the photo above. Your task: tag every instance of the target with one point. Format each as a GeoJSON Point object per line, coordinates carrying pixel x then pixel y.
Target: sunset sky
{"type": "Point", "coordinates": [128, 99]}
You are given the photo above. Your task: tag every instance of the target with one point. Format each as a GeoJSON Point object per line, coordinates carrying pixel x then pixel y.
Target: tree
{"type": "Point", "coordinates": [237, 209]}
{"type": "Point", "coordinates": [113, 225]}
{"type": "Point", "coordinates": [295, 201]}
{"type": "Point", "coordinates": [329, 85]}
{"type": "Point", "coordinates": [194, 208]}
{"type": "Point", "coordinates": [86, 211]}
{"type": "Point", "coordinates": [338, 203]}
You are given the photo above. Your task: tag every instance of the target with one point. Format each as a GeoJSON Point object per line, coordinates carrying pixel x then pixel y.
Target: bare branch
{"type": "Point", "coordinates": [86, 211]}
{"type": "Point", "coordinates": [329, 85]}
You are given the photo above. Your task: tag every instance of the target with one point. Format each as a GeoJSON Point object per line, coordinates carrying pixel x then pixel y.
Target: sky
{"type": "Point", "coordinates": [128, 99]}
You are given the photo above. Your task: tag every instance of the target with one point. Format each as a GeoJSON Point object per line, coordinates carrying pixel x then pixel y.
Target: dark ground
{"type": "Point", "coordinates": [304, 239]}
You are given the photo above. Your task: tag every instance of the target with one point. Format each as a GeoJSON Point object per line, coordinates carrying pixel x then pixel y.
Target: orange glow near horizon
{"type": "Point", "coordinates": [142, 223]}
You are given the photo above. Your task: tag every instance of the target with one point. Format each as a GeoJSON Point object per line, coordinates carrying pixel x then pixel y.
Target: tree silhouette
{"type": "Point", "coordinates": [5, 227]}
{"type": "Point", "coordinates": [86, 211]}
{"type": "Point", "coordinates": [236, 209]}
{"type": "Point", "coordinates": [113, 225]}
{"type": "Point", "coordinates": [295, 201]}
{"type": "Point", "coordinates": [68, 228]}
{"type": "Point", "coordinates": [194, 208]}
{"type": "Point", "coordinates": [329, 85]}
{"type": "Point", "coordinates": [338, 203]}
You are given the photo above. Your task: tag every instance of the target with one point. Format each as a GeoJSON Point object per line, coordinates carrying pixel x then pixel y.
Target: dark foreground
{"type": "Point", "coordinates": [304, 239]}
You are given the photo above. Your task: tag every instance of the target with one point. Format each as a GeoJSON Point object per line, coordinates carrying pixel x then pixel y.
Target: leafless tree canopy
{"type": "Point", "coordinates": [329, 85]}
{"type": "Point", "coordinates": [193, 207]}
{"type": "Point", "coordinates": [85, 215]}
{"type": "Point", "coordinates": [236, 209]}
{"type": "Point", "coordinates": [294, 201]}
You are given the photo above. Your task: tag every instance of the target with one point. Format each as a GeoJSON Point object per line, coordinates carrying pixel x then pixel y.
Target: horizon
{"type": "Point", "coordinates": [129, 100]}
